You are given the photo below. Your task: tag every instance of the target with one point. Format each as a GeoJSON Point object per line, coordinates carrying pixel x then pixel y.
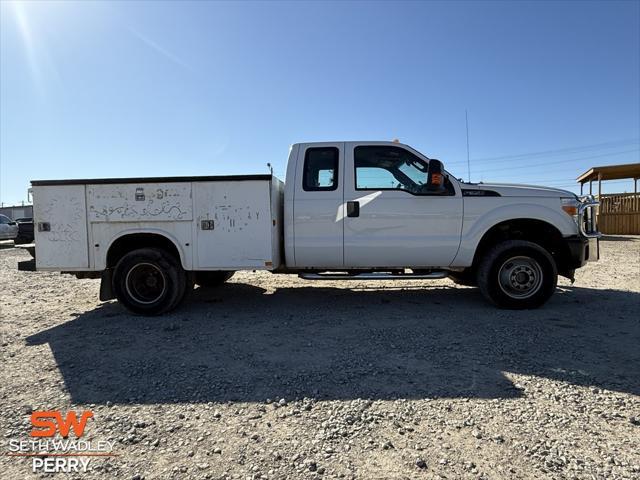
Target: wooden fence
{"type": "Point", "coordinates": [619, 214]}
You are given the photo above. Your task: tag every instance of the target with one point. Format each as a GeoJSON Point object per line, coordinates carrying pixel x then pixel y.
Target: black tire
{"type": "Point", "coordinates": [212, 279]}
{"type": "Point", "coordinates": [517, 275]}
{"type": "Point", "coordinates": [149, 281]}
{"type": "Point", "coordinates": [466, 277]}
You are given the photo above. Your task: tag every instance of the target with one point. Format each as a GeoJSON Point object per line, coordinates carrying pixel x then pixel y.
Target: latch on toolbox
{"type": "Point", "coordinates": [206, 224]}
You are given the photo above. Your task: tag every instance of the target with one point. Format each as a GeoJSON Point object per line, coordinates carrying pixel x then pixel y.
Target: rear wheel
{"type": "Point", "coordinates": [518, 275]}
{"type": "Point", "coordinates": [212, 279]}
{"type": "Point", "coordinates": [149, 281]}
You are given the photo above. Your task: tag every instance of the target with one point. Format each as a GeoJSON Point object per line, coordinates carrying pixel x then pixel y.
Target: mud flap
{"type": "Point", "coordinates": [106, 290]}
{"type": "Point", "coordinates": [27, 266]}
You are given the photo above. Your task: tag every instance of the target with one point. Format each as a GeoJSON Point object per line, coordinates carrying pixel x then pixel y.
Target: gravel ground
{"type": "Point", "coordinates": [276, 377]}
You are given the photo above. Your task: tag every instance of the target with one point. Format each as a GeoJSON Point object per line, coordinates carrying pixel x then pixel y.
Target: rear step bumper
{"type": "Point", "coordinates": [374, 276]}
{"type": "Point", "coordinates": [29, 247]}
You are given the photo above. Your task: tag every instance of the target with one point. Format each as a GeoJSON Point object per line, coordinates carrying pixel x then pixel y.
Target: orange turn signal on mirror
{"type": "Point", "coordinates": [570, 209]}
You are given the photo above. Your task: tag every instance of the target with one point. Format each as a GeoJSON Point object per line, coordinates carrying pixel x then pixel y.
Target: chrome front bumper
{"type": "Point", "coordinates": [587, 211]}
{"type": "Point", "coordinates": [588, 227]}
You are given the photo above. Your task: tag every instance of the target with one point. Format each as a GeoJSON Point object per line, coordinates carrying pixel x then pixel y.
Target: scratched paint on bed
{"type": "Point", "coordinates": [64, 245]}
{"type": "Point", "coordinates": [235, 219]}
{"type": "Point", "coordinates": [139, 202]}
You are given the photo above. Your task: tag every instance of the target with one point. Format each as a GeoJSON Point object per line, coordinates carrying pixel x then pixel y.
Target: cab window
{"type": "Point", "coordinates": [383, 167]}
{"type": "Point", "coordinates": [320, 169]}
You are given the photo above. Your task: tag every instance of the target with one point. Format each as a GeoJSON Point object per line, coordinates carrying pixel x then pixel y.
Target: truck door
{"type": "Point", "coordinates": [391, 220]}
{"type": "Point", "coordinates": [318, 206]}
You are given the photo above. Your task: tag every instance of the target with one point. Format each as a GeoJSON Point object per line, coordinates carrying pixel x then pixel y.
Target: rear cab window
{"type": "Point", "coordinates": [320, 171]}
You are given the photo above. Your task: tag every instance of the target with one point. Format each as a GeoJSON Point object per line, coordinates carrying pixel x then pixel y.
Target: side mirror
{"type": "Point", "coordinates": [12, 223]}
{"type": "Point", "coordinates": [435, 177]}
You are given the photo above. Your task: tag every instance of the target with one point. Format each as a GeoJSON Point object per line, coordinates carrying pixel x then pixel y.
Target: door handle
{"type": "Point", "coordinates": [353, 209]}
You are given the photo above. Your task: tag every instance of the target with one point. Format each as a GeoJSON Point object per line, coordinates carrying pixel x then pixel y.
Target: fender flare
{"type": "Point", "coordinates": [471, 238]}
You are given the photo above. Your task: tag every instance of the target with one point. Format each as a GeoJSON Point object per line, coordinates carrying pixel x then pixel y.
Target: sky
{"type": "Point", "coordinates": [112, 89]}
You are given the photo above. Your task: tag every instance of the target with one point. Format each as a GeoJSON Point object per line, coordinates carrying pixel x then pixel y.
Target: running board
{"type": "Point", "coordinates": [374, 276]}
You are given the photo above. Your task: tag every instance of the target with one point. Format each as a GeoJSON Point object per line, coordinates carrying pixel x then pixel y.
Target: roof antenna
{"type": "Point", "coordinates": [270, 167]}
{"type": "Point", "coordinates": [466, 121]}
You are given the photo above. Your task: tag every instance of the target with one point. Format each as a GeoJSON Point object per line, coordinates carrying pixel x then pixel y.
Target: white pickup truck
{"type": "Point", "coordinates": [348, 210]}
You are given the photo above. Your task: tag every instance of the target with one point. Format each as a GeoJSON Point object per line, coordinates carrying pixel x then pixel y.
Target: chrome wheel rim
{"type": "Point", "coordinates": [145, 283]}
{"type": "Point", "coordinates": [520, 277]}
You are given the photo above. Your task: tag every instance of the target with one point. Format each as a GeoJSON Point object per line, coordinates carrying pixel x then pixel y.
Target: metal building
{"type": "Point", "coordinates": [17, 211]}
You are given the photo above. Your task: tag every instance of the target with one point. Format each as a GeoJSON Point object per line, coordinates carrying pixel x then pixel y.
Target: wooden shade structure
{"type": "Point", "coordinates": [610, 172]}
{"type": "Point", "coordinates": [618, 213]}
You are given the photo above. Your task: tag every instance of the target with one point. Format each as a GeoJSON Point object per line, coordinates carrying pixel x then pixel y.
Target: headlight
{"type": "Point", "coordinates": [570, 207]}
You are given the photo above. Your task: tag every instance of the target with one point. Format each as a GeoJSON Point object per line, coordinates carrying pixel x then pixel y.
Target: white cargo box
{"type": "Point", "coordinates": [216, 223]}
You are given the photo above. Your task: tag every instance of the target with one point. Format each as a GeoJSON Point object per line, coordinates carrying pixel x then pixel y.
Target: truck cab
{"type": "Point", "coordinates": [364, 205]}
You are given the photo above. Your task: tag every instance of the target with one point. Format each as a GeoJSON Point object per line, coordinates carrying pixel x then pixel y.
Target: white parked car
{"type": "Point", "coordinates": [8, 228]}
{"type": "Point", "coordinates": [348, 210]}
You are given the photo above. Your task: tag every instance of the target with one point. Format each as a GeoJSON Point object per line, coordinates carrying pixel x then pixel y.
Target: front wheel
{"type": "Point", "coordinates": [518, 275]}
{"type": "Point", "coordinates": [149, 281]}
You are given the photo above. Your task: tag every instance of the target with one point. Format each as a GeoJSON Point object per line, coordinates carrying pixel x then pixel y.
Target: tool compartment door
{"type": "Point", "coordinates": [60, 227]}
{"type": "Point", "coordinates": [233, 225]}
